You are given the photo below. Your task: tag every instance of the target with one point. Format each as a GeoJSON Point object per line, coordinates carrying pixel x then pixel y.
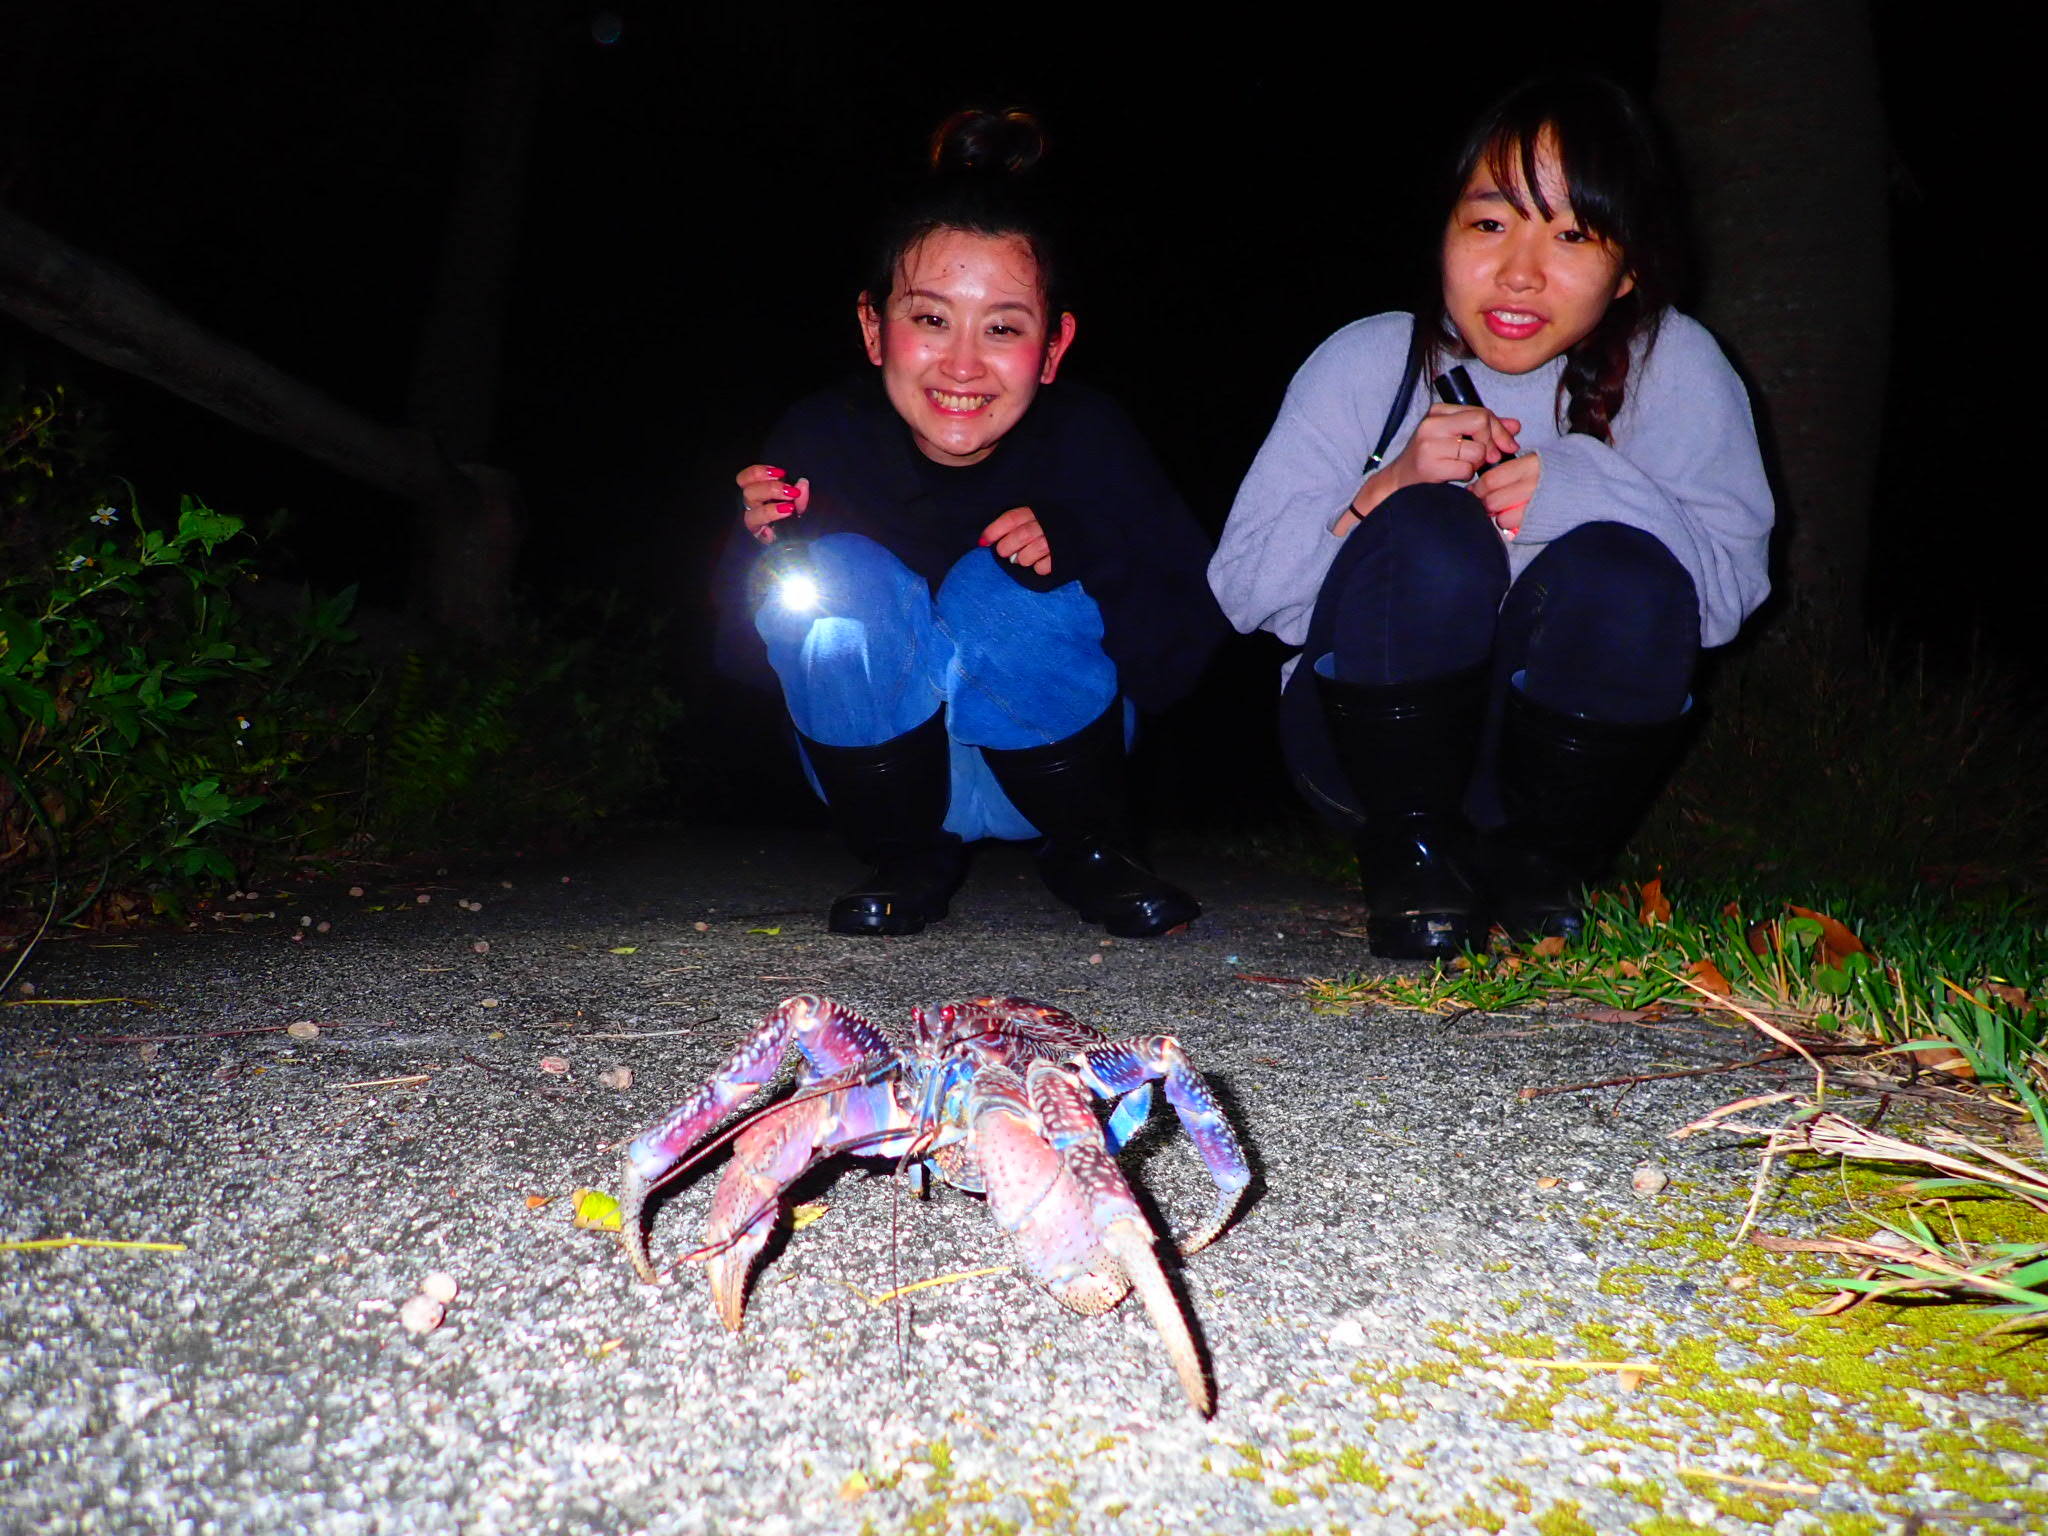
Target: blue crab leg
{"type": "Point", "coordinates": [1126, 1066]}
{"type": "Point", "coordinates": [834, 1041]}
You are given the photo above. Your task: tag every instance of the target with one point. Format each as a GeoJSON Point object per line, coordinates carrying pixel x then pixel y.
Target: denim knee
{"type": "Point", "coordinates": [1415, 590]}
{"type": "Point", "coordinates": [1608, 625]}
{"type": "Point", "coordinates": [1028, 667]}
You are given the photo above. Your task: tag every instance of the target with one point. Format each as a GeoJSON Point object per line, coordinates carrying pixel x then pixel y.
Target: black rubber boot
{"type": "Point", "coordinates": [1574, 789]}
{"type": "Point", "coordinates": [1407, 750]}
{"type": "Point", "coordinates": [1074, 791]}
{"type": "Point", "coordinates": [889, 803]}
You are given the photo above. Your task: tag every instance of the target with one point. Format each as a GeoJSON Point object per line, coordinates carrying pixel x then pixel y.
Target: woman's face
{"type": "Point", "coordinates": [1520, 288]}
{"type": "Point", "coordinates": [964, 341]}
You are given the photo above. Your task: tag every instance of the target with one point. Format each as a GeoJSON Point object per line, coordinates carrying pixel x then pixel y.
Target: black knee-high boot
{"type": "Point", "coordinates": [1574, 789]}
{"type": "Point", "coordinates": [1075, 792]}
{"type": "Point", "coordinates": [1407, 750]}
{"type": "Point", "coordinates": [889, 803]}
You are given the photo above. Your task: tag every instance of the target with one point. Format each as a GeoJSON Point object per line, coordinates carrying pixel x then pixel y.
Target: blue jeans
{"type": "Point", "coordinates": [880, 655]}
{"type": "Point", "coordinates": [1604, 623]}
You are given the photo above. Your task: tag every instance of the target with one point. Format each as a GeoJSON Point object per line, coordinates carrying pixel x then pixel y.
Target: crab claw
{"type": "Point", "coordinates": [1130, 1244]}
{"type": "Point", "coordinates": [633, 1187]}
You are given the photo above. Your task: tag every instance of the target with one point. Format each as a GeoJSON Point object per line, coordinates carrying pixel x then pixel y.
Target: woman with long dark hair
{"type": "Point", "coordinates": [995, 573]}
{"type": "Point", "coordinates": [1501, 595]}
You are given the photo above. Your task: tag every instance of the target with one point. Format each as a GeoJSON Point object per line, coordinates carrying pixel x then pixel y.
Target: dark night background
{"type": "Point", "coordinates": [691, 244]}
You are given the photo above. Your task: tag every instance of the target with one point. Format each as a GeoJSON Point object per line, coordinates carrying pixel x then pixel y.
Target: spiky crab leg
{"type": "Point", "coordinates": [1054, 1187]}
{"type": "Point", "coordinates": [1126, 1066]}
{"type": "Point", "coordinates": [833, 1039]}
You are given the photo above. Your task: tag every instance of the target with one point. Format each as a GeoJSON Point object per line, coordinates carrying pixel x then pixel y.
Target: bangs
{"type": "Point", "coordinates": [1510, 158]}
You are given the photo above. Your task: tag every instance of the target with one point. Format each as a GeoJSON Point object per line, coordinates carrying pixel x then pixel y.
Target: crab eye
{"type": "Point", "coordinates": [947, 1013]}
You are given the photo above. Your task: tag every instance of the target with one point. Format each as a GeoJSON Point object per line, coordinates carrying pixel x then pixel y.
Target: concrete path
{"type": "Point", "coordinates": [1383, 1323]}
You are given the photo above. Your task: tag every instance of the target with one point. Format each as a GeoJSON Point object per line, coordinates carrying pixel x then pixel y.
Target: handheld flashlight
{"type": "Point", "coordinates": [790, 570]}
{"type": "Point", "coordinates": [1454, 386]}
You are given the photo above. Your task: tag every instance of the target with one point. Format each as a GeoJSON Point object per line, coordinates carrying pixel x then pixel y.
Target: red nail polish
{"type": "Point", "coordinates": [983, 541]}
{"type": "Point", "coordinates": [777, 473]}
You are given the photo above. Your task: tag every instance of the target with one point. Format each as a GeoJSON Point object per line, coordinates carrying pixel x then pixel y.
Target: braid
{"type": "Point", "coordinates": [1595, 380]}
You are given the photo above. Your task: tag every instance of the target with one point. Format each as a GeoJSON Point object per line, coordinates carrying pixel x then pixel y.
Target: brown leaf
{"type": "Point", "coordinates": [1708, 975]}
{"type": "Point", "coordinates": [2006, 992]}
{"type": "Point", "coordinates": [1837, 943]}
{"type": "Point", "coordinates": [535, 1202]}
{"type": "Point", "coordinates": [1552, 946]}
{"type": "Point", "coordinates": [1732, 910]}
{"type": "Point", "coordinates": [1762, 937]}
{"type": "Point", "coordinates": [1656, 906]}
{"type": "Point", "coordinates": [1944, 1058]}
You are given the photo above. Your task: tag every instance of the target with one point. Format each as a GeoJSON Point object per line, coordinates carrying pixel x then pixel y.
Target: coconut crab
{"type": "Point", "coordinates": [990, 1095]}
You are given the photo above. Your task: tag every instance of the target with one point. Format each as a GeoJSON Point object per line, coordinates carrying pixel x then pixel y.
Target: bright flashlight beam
{"type": "Point", "coordinates": [799, 593]}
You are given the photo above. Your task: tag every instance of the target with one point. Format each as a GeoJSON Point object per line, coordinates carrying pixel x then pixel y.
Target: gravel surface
{"type": "Point", "coordinates": [1417, 1231]}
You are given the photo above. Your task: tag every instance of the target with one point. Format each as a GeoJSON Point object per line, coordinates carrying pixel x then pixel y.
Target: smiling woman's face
{"type": "Point", "coordinates": [964, 341]}
{"type": "Point", "coordinates": [1520, 288]}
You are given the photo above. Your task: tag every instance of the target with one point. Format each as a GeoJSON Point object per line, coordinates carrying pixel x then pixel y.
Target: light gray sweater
{"type": "Point", "coordinates": [1684, 466]}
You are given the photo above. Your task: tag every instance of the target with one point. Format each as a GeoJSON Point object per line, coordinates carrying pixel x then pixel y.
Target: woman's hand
{"type": "Point", "coordinates": [1017, 538]}
{"type": "Point", "coordinates": [1506, 489]}
{"type": "Point", "coordinates": [766, 498]}
{"type": "Point", "coordinates": [1450, 443]}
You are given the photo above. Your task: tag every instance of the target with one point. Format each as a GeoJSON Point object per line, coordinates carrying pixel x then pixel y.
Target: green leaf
{"type": "Point", "coordinates": [200, 524]}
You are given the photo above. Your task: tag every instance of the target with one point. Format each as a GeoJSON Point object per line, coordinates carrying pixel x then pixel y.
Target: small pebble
{"type": "Point", "coordinates": [482, 946]}
{"type": "Point", "coordinates": [149, 1050]}
{"type": "Point", "coordinates": [1898, 1242]}
{"type": "Point", "coordinates": [1649, 1181]}
{"type": "Point", "coordinates": [355, 890]}
{"type": "Point", "coordinates": [555, 1064]}
{"type": "Point", "coordinates": [1548, 1182]}
{"type": "Point", "coordinates": [1740, 1282]}
{"type": "Point", "coordinates": [487, 1002]}
{"type": "Point", "coordinates": [701, 927]}
{"type": "Point", "coordinates": [323, 927]}
{"type": "Point", "coordinates": [305, 922]}
{"type": "Point", "coordinates": [620, 1078]}
{"type": "Point", "coordinates": [423, 898]}
{"type": "Point", "coordinates": [28, 988]}
{"type": "Point", "coordinates": [422, 1314]}
{"type": "Point", "coordinates": [1096, 958]}
{"type": "Point", "coordinates": [303, 1029]}
{"type": "Point", "coordinates": [441, 1286]}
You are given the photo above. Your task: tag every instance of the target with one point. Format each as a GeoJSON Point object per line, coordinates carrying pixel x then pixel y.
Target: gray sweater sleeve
{"type": "Point", "coordinates": [1277, 544]}
{"type": "Point", "coordinates": [1685, 467]}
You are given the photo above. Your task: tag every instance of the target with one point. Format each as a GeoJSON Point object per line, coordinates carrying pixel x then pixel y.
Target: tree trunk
{"type": "Point", "coordinates": [1775, 106]}
{"type": "Point", "coordinates": [108, 315]}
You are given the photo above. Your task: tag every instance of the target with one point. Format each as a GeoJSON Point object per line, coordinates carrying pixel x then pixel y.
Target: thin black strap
{"type": "Point", "coordinates": [1411, 371]}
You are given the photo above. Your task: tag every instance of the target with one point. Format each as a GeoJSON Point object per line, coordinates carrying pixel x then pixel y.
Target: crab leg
{"type": "Point", "coordinates": [1053, 1186]}
{"type": "Point", "coordinates": [1125, 1066]}
{"type": "Point", "coordinates": [834, 1041]}
{"type": "Point", "coordinates": [772, 1153]}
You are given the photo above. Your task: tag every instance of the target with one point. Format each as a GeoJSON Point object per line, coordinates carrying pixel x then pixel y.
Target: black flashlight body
{"type": "Point", "coordinates": [1454, 386]}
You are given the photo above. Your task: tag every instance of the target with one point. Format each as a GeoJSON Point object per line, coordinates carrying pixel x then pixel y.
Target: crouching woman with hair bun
{"type": "Point", "coordinates": [1501, 595]}
{"type": "Point", "coordinates": [999, 574]}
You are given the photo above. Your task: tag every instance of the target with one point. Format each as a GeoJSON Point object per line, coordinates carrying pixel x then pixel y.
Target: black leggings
{"type": "Point", "coordinates": [1603, 623]}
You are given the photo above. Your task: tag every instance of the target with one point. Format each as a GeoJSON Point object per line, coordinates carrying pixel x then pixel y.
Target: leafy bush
{"type": "Point", "coordinates": [156, 733]}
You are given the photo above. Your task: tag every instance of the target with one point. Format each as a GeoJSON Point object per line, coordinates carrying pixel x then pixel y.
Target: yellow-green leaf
{"type": "Point", "coordinates": [626, 949]}
{"type": "Point", "coordinates": [596, 1211]}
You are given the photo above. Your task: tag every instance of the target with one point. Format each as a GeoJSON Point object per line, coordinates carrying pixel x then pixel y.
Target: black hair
{"type": "Point", "coordinates": [983, 177]}
{"type": "Point", "coordinates": [1615, 174]}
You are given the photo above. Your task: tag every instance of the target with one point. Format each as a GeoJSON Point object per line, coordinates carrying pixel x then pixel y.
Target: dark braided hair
{"type": "Point", "coordinates": [982, 179]}
{"type": "Point", "coordinates": [1614, 174]}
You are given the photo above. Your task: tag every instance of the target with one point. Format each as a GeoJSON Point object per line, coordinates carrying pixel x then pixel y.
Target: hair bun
{"type": "Point", "coordinates": [980, 141]}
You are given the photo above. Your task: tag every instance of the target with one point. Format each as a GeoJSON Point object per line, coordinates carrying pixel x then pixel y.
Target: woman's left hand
{"type": "Point", "coordinates": [1507, 487]}
{"type": "Point", "coordinates": [1017, 538]}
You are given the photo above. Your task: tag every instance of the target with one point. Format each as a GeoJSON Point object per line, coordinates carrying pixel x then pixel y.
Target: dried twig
{"type": "Point", "coordinates": [936, 1280]}
{"type": "Point", "coordinates": [89, 1242]}
{"type": "Point", "coordinates": [1797, 1490]}
{"type": "Point", "coordinates": [1654, 1077]}
{"type": "Point", "coordinates": [389, 1082]}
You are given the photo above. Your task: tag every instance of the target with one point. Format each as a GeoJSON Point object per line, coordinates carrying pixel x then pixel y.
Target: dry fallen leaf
{"type": "Point", "coordinates": [1837, 943]}
{"type": "Point", "coordinates": [422, 1314]}
{"type": "Point", "coordinates": [624, 949]}
{"type": "Point", "coordinates": [1551, 946]}
{"type": "Point", "coordinates": [1655, 905]}
{"type": "Point", "coordinates": [803, 1215]}
{"type": "Point", "coordinates": [1944, 1058]}
{"type": "Point", "coordinates": [555, 1064]}
{"type": "Point", "coordinates": [855, 1486]}
{"type": "Point", "coordinates": [596, 1211]}
{"type": "Point", "coordinates": [1549, 1181]}
{"type": "Point", "coordinates": [1709, 975]}
{"type": "Point", "coordinates": [620, 1078]}
{"type": "Point", "coordinates": [535, 1202]}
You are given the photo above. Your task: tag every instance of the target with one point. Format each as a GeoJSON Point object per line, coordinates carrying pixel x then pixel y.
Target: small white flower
{"type": "Point", "coordinates": [80, 562]}
{"type": "Point", "coordinates": [242, 722]}
{"type": "Point", "coordinates": [106, 515]}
